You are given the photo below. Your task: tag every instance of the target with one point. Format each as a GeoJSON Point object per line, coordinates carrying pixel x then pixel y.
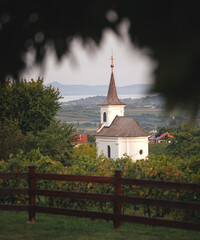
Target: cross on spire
{"type": "Point", "coordinates": [112, 65]}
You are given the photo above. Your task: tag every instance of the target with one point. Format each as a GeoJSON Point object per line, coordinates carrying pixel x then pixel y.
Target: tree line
{"type": "Point", "coordinates": [27, 120]}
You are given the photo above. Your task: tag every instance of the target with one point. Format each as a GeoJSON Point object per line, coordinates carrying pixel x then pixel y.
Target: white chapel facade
{"type": "Point", "coordinates": [119, 135]}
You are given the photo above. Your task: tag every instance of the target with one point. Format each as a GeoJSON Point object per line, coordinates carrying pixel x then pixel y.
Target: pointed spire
{"type": "Point", "coordinates": [112, 98]}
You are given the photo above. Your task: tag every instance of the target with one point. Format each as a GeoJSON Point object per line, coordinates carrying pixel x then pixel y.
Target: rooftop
{"type": "Point", "coordinates": [123, 127]}
{"type": "Point", "coordinates": [164, 136]}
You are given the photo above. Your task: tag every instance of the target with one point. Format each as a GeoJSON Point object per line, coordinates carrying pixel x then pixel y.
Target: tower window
{"type": "Point", "coordinates": [104, 117]}
{"type": "Point", "coordinates": [141, 152]}
{"type": "Point", "coordinates": [109, 151]}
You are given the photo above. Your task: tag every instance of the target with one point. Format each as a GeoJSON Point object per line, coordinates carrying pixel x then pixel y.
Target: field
{"type": "Point", "coordinates": [87, 118]}
{"type": "Point", "coordinates": [14, 226]}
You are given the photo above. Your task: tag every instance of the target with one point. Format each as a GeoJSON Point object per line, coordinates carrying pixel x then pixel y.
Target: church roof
{"type": "Point", "coordinates": [123, 127]}
{"type": "Point", "coordinates": [112, 98]}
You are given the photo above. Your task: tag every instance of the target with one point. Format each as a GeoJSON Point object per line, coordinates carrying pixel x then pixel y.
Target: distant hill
{"type": "Point", "coordinates": [155, 101]}
{"type": "Point", "coordinates": [70, 90]}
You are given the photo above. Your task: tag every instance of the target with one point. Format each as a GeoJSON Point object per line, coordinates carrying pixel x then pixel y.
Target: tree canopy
{"type": "Point", "coordinates": [31, 104]}
{"type": "Point", "coordinates": [56, 141]}
{"type": "Point", "coordinates": [169, 29]}
{"type": "Point", "coordinates": [27, 121]}
{"type": "Point", "coordinates": [185, 142]}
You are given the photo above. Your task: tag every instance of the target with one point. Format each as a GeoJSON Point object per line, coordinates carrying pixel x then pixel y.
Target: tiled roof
{"type": "Point", "coordinates": [123, 127]}
{"type": "Point", "coordinates": [79, 139]}
{"type": "Point", "coordinates": [112, 98]}
{"type": "Point", "coordinates": [164, 136]}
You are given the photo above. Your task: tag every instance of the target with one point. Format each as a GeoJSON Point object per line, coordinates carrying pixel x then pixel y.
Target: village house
{"type": "Point", "coordinates": [165, 137]}
{"type": "Point", "coordinates": [152, 136]}
{"type": "Point", "coordinates": [79, 139]}
{"type": "Point", "coordinates": [119, 135]}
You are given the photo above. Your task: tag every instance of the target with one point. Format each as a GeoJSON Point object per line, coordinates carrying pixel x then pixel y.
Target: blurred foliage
{"type": "Point", "coordinates": [170, 32]}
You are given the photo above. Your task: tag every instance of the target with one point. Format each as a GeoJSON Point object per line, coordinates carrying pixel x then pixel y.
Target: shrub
{"type": "Point", "coordinates": [86, 162]}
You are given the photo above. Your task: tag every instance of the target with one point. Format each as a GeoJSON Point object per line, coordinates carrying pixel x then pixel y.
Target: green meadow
{"type": "Point", "coordinates": [14, 226]}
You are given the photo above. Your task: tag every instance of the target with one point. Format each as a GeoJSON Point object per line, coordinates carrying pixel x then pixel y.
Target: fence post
{"type": "Point", "coordinates": [117, 203]}
{"type": "Point", "coordinates": [31, 179]}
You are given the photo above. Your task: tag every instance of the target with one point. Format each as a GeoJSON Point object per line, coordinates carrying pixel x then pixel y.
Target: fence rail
{"type": "Point", "coordinates": [117, 198]}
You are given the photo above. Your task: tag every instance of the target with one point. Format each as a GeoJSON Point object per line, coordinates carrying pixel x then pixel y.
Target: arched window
{"type": "Point", "coordinates": [141, 152]}
{"type": "Point", "coordinates": [104, 117]}
{"type": "Point", "coordinates": [109, 151]}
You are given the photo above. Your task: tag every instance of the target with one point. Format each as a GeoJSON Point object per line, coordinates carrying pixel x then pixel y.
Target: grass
{"type": "Point", "coordinates": [13, 226]}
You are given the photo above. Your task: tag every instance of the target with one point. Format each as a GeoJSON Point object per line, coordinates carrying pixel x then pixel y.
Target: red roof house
{"type": "Point", "coordinates": [80, 139]}
{"type": "Point", "coordinates": [163, 137]}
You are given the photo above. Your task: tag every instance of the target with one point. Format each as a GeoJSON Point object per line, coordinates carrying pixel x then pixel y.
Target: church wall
{"type": "Point", "coordinates": [131, 146]}
{"type": "Point", "coordinates": [102, 144]}
{"type": "Point", "coordinates": [135, 147]}
{"type": "Point", "coordinates": [122, 142]}
{"type": "Point", "coordinates": [111, 112]}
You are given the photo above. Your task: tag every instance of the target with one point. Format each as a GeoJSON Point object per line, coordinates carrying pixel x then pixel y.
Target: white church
{"type": "Point", "coordinates": [119, 135]}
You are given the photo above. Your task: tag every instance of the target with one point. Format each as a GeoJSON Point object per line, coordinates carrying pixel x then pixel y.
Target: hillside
{"type": "Point", "coordinates": [148, 111]}
{"type": "Point", "coordinates": [145, 102]}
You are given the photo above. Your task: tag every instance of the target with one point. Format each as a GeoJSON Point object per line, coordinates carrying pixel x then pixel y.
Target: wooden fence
{"type": "Point", "coordinates": [117, 217]}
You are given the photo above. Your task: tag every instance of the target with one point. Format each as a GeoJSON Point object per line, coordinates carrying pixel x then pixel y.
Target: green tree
{"type": "Point", "coordinates": [27, 111]}
{"type": "Point", "coordinates": [30, 103]}
{"type": "Point", "coordinates": [11, 139]}
{"type": "Point", "coordinates": [91, 139]}
{"type": "Point", "coordinates": [84, 153]}
{"type": "Point", "coordinates": [158, 148]}
{"type": "Point", "coordinates": [186, 141]}
{"type": "Point", "coordinates": [56, 141]}
{"type": "Point", "coordinates": [163, 130]}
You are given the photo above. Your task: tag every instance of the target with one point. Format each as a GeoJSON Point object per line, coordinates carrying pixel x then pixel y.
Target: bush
{"type": "Point", "coordinates": [86, 162]}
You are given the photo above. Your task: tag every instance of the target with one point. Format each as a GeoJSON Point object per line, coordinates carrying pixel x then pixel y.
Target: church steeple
{"type": "Point", "coordinates": [118, 135]}
{"type": "Point", "coordinates": [112, 98]}
{"type": "Point", "coordinates": [112, 65]}
{"type": "Point", "coordinates": [112, 106]}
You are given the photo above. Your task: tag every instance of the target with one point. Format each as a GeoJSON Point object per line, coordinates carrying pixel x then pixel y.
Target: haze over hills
{"type": "Point", "coordinates": [156, 101]}
{"type": "Point", "coordinates": [69, 90]}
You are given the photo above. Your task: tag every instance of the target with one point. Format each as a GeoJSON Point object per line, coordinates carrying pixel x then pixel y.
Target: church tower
{"type": "Point", "coordinates": [112, 106]}
{"type": "Point", "coordinates": [119, 135]}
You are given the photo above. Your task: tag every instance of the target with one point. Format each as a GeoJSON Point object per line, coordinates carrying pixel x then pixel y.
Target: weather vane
{"type": "Point", "coordinates": [112, 58]}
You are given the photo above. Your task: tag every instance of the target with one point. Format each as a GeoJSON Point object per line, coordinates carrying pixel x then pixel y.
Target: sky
{"type": "Point", "coordinates": [89, 64]}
